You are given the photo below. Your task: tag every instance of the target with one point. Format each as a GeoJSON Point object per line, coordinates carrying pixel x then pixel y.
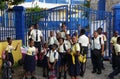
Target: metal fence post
{"type": "Point", "coordinates": [20, 23]}
{"type": "Point", "coordinates": [116, 17]}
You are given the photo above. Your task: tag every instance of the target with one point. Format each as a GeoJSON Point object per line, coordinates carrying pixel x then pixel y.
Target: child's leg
{"type": "Point", "coordinates": [72, 77]}
{"type": "Point", "coordinates": [65, 71]}
{"type": "Point", "coordinates": [33, 75]}
{"type": "Point", "coordinates": [26, 75]}
{"type": "Point", "coordinates": [60, 72]}
{"type": "Point", "coordinates": [76, 77]}
{"type": "Point", "coordinates": [44, 71]}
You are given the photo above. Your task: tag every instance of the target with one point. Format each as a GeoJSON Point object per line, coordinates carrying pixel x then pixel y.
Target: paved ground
{"type": "Point", "coordinates": [88, 75]}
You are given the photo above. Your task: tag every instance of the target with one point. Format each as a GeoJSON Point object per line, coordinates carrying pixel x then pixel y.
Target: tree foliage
{"type": "Point", "coordinates": [87, 4]}
{"type": "Point", "coordinates": [33, 15]}
{"type": "Point", "coordinates": [10, 2]}
{"type": "Point", "coordinates": [2, 5]}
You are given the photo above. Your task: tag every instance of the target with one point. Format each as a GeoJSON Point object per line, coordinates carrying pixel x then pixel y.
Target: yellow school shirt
{"type": "Point", "coordinates": [74, 49]}
{"type": "Point", "coordinates": [113, 40]}
{"type": "Point", "coordinates": [31, 51]}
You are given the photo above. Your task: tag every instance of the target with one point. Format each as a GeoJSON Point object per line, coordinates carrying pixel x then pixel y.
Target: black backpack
{"type": "Point", "coordinates": [6, 70]}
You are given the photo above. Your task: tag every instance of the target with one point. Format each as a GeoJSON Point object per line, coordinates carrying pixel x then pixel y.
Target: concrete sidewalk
{"type": "Point", "coordinates": [88, 75]}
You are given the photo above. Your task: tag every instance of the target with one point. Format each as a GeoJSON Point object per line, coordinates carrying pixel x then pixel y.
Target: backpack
{"type": "Point", "coordinates": [6, 70]}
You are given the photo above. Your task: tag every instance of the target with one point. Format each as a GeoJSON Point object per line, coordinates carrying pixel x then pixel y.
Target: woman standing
{"type": "Point", "coordinates": [74, 68]}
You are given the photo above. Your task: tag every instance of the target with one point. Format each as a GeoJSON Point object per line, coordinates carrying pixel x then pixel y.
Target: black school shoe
{"type": "Point", "coordinates": [94, 71]}
{"type": "Point", "coordinates": [99, 72]}
{"type": "Point", "coordinates": [26, 77]}
{"type": "Point", "coordinates": [33, 77]}
{"type": "Point", "coordinates": [103, 68]}
{"type": "Point", "coordinates": [110, 77]}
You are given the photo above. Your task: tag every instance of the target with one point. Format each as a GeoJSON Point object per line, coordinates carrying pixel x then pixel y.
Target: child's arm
{"type": "Point", "coordinates": [16, 47]}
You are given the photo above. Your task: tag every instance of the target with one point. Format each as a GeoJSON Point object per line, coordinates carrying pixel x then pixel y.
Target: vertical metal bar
{"type": "Point", "coordinates": [110, 26]}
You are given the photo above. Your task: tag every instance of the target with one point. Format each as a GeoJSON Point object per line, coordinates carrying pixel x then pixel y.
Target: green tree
{"type": "Point", "coordinates": [87, 4]}
{"type": "Point", "coordinates": [10, 2]}
{"type": "Point", "coordinates": [2, 5]}
{"type": "Point", "coordinates": [33, 15]}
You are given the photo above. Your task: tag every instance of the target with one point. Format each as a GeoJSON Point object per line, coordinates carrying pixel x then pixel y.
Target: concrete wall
{"type": "Point", "coordinates": [109, 4]}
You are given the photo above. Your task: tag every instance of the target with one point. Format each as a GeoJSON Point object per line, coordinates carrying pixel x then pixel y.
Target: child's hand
{"type": "Point", "coordinates": [18, 43]}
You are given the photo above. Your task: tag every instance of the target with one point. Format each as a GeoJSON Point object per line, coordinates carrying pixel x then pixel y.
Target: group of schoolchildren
{"type": "Point", "coordinates": [59, 53]}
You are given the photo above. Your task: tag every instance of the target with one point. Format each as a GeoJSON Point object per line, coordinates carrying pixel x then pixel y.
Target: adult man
{"type": "Point", "coordinates": [97, 48]}
{"type": "Point", "coordinates": [102, 36]}
{"type": "Point", "coordinates": [36, 35]}
{"type": "Point", "coordinates": [113, 42]}
{"type": "Point", "coordinates": [84, 42]}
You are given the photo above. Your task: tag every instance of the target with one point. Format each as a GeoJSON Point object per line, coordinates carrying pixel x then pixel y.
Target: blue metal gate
{"type": "Point", "coordinates": [7, 27]}
{"type": "Point", "coordinates": [75, 17]}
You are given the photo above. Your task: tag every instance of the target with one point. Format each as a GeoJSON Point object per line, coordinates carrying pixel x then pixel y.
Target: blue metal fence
{"type": "Point", "coordinates": [7, 28]}
{"type": "Point", "coordinates": [75, 17]}
{"type": "Point", "coordinates": [59, 1]}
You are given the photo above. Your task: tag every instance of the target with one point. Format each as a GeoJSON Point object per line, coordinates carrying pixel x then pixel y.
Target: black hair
{"type": "Point", "coordinates": [30, 40]}
{"type": "Point", "coordinates": [8, 38]}
{"type": "Point", "coordinates": [99, 29]}
{"type": "Point", "coordinates": [115, 31]}
{"type": "Point", "coordinates": [30, 25]}
{"type": "Point", "coordinates": [118, 39]}
{"type": "Point", "coordinates": [63, 23]}
{"type": "Point", "coordinates": [55, 45]}
{"type": "Point", "coordinates": [83, 31]}
{"type": "Point", "coordinates": [62, 39]}
{"type": "Point", "coordinates": [35, 25]}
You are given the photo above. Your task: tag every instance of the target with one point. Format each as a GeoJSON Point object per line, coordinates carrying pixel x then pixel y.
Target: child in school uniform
{"type": "Point", "coordinates": [117, 52]}
{"type": "Point", "coordinates": [9, 50]}
{"type": "Point", "coordinates": [44, 60]}
{"type": "Point", "coordinates": [30, 62]}
{"type": "Point", "coordinates": [62, 48]}
{"type": "Point", "coordinates": [52, 56]}
{"type": "Point", "coordinates": [74, 68]}
{"type": "Point", "coordinates": [52, 39]}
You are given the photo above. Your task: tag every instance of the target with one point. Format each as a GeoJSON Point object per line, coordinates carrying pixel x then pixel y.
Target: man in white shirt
{"type": "Point", "coordinates": [37, 35]}
{"type": "Point", "coordinates": [84, 42]}
{"type": "Point", "coordinates": [97, 48]}
{"type": "Point", "coordinates": [102, 36]}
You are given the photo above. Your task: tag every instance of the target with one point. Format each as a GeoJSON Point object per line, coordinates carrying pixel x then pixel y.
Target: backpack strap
{"type": "Point", "coordinates": [64, 47]}
{"type": "Point", "coordinates": [54, 54]}
{"type": "Point", "coordinates": [100, 40]}
{"type": "Point", "coordinates": [93, 42]}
